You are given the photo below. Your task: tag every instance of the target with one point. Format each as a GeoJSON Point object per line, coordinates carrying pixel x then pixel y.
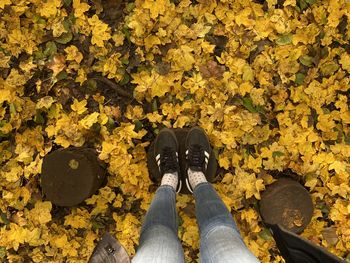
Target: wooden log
{"type": "Point", "coordinates": [71, 175]}
{"type": "Point", "coordinates": [287, 203]}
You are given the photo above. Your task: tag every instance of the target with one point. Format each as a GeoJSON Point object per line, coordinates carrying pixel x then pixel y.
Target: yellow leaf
{"type": "Point", "coordinates": [50, 8]}
{"type": "Point", "coordinates": [107, 148]}
{"type": "Point", "coordinates": [151, 41]}
{"type": "Point", "coordinates": [89, 120]}
{"type": "Point", "coordinates": [5, 95]}
{"type": "Point", "coordinates": [60, 241]}
{"type": "Point", "coordinates": [181, 58]}
{"type": "Point", "coordinates": [345, 61]}
{"type": "Point", "coordinates": [4, 2]}
{"type": "Point", "coordinates": [100, 31]}
{"type": "Point", "coordinates": [156, 7]}
{"type": "Point", "coordinates": [73, 54]}
{"type": "Point", "coordinates": [45, 102]}
{"type": "Point", "coordinates": [41, 213]}
{"type": "Point", "coordinates": [79, 106]}
{"type": "Point", "coordinates": [118, 38]}
{"type": "Point", "coordinates": [79, 218]}
{"type": "Point", "coordinates": [80, 8]}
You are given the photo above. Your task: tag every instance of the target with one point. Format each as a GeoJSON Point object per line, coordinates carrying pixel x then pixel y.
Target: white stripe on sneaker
{"type": "Point", "coordinates": [158, 157]}
{"type": "Point", "coordinates": [206, 154]}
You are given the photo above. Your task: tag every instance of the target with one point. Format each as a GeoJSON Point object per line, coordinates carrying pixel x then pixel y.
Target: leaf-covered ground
{"type": "Point", "coordinates": [267, 80]}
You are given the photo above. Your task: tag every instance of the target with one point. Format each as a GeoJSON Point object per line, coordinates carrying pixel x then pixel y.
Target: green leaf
{"type": "Point", "coordinates": [347, 138]}
{"type": "Point", "coordinates": [39, 119]}
{"type": "Point", "coordinates": [130, 7]}
{"type": "Point", "coordinates": [329, 68]}
{"type": "Point", "coordinates": [125, 61]}
{"type": "Point", "coordinates": [4, 218]}
{"type": "Point", "coordinates": [50, 49]}
{"type": "Point", "coordinates": [306, 60]}
{"type": "Point", "coordinates": [154, 105]}
{"type": "Point", "coordinates": [39, 20]}
{"type": "Point", "coordinates": [284, 40]}
{"type": "Point", "coordinates": [138, 125]}
{"type": "Point", "coordinates": [62, 75]}
{"type": "Point", "coordinates": [299, 78]}
{"type": "Point", "coordinates": [110, 124]}
{"type": "Point", "coordinates": [91, 84]}
{"type": "Point", "coordinates": [12, 108]}
{"type": "Point", "coordinates": [38, 55]}
{"type": "Point", "coordinates": [310, 2]}
{"type": "Point", "coordinates": [67, 3]}
{"type": "Point", "coordinates": [302, 4]}
{"type": "Point", "coordinates": [64, 38]}
{"type": "Point", "coordinates": [125, 80]}
{"type": "Point", "coordinates": [347, 259]}
{"type": "Point", "coordinates": [277, 154]}
{"type": "Point", "coordinates": [248, 104]}
{"type": "Point", "coordinates": [2, 252]}
{"type": "Point", "coordinates": [67, 24]}
{"type": "Point", "coordinates": [265, 234]}
{"type": "Point", "coordinates": [126, 33]}
{"type": "Point", "coordinates": [97, 225]}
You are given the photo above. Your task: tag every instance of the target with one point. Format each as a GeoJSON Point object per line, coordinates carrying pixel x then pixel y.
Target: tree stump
{"type": "Point", "coordinates": [181, 135]}
{"type": "Point", "coordinates": [71, 175]}
{"type": "Point", "coordinates": [287, 203]}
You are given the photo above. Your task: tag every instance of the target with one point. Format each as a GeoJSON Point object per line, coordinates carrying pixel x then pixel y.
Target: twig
{"type": "Point", "coordinates": [114, 86]}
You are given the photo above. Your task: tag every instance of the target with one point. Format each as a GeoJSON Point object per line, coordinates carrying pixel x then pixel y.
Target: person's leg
{"type": "Point", "coordinates": [220, 238]}
{"type": "Point", "coordinates": [158, 240]}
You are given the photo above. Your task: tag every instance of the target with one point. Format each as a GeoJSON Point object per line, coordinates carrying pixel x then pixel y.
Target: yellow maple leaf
{"type": "Point", "coordinates": [5, 95]}
{"type": "Point", "coordinates": [181, 58]}
{"type": "Point", "coordinates": [59, 241]}
{"type": "Point", "coordinates": [45, 102]}
{"type": "Point", "coordinates": [89, 120]}
{"type": "Point", "coordinates": [100, 31]}
{"type": "Point", "coordinates": [345, 61]}
{"type": "Point", "coordinates": [73, 54]}
{"type": "Point", "coordinates": [156, 7]}
{"type": "Point", "coordinates": [50, 8]}
{"type": "Point", "coordinates": [41, 213]}
{"type": "Point", "coordinates": [79, 218]}
{"type": "Point", "coordinates": [79, 106]}
{"type": "Point", "coordinates": [80, 8]}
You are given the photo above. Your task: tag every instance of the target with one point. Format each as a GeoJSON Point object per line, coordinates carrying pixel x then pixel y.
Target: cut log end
{"type": "Point", "coordinates": [69, 176]}
{"type": "Point", "coordinates": [287, 203]}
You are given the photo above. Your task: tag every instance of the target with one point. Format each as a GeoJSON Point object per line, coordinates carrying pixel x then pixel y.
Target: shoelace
{"type": "Point", "coordinates": [168, 160]}
{"type": "Point", "coordinates": [196, 155]}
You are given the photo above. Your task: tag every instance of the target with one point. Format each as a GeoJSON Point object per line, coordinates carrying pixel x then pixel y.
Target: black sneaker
{"type": "Point", "coordinates": [166, 154]}
{"type": "Point", "coordinates": [198, 151]}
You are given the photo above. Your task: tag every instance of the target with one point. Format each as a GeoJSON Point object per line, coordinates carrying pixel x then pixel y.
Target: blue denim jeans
{"type": "Point", "coordinates": [220, 239]}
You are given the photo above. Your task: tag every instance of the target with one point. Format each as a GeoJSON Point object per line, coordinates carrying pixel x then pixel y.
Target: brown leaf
{"type": "Point", "coordinates": [212, 69]}
{"type": "Point", "coordinates": [57, 64]}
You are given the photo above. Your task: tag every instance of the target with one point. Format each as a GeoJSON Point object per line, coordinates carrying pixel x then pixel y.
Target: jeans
{"type": "Point", "coordinates": [220, 239]}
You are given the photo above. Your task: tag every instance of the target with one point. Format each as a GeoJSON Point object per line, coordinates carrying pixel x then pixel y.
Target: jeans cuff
{"type": "Point", "coordinates": [166, 187]}
{"type": "Point", "coordinates": [200, 185]}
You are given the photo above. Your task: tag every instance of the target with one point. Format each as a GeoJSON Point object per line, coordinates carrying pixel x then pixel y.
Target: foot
{"type": "Point", "coordinates": [197, 155]}
{"type": "Point", "coordinates": [166, 154]}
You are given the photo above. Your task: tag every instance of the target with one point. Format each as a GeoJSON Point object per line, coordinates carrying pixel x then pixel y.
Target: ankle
{"type": "Point", "coordinates": [171, 179]}
{"type": "Point", "coordinates": [195, 178]}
